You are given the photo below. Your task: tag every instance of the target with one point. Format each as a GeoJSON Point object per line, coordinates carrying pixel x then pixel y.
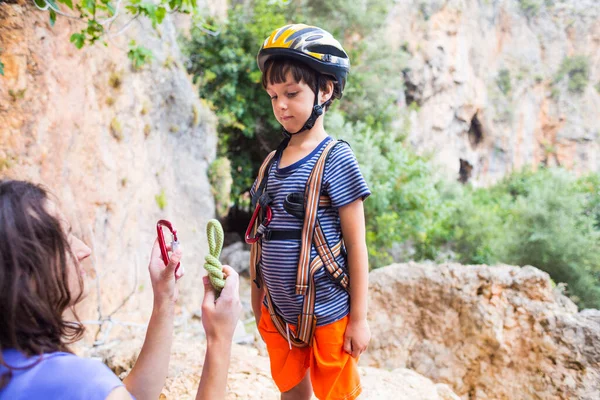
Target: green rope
{"type": "Point", "coordinates": [214, 232]}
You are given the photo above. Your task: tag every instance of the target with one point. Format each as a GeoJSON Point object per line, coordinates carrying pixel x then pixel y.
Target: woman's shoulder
{"type": "Point", "coordinates": [55, 373]}
{"type": "Point", "coordinates": [82, 364]}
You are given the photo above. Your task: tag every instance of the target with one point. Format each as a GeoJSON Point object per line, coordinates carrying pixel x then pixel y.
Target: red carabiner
{"type": "Point", "coordinates": [161, 240]}
{"type": "Point", "coordinates": [252, 240]}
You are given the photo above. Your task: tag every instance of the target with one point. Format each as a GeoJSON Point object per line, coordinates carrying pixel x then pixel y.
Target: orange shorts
{"type": "Point", "coordinates": [333, 372]}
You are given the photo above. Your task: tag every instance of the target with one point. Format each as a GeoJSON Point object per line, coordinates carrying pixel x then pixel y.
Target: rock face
{"type": "Point", "coordinates": [489, 332]}
{"type": "Point", "coordinates": [119, 148]}
{"type": "Point", "coordinates": [236, 256]}
{"type": "Point", "coordinates": [485, 78]}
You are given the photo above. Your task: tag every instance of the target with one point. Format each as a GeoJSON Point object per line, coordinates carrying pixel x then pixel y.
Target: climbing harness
{"type": "Point", "coordinates": [303, 206]}
{"type": "Point", "coordinates": [215, 235]}
{"type": "Point", "coordinates": [161, 241]}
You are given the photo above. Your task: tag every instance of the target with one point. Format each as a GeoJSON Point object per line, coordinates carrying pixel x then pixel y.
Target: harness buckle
{"type": "Point", "coordinates": [267, 234]}
{"type": "Point", "coordinates": [340, 277]}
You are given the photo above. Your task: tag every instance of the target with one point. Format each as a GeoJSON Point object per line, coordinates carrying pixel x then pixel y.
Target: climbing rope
{"type": "Point", "coordinates": [214, 232]}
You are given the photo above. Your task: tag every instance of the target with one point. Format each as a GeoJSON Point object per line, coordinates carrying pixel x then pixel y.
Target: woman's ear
{"type": "Point", "coordinates": [327, 92]}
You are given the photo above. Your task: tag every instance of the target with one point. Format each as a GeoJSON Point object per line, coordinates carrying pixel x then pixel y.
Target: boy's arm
{"type": "Point", "coordinates": [352, 219]}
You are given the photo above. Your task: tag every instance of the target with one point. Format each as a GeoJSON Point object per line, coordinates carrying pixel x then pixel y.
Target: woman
{"type": "Point", "coordinates": [41, 278]}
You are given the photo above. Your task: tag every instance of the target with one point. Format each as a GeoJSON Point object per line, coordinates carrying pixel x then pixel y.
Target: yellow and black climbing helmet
{"type": "Point", "coordinates": [312, 45]}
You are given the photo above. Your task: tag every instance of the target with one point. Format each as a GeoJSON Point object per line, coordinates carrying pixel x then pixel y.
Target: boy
{"type": "Point", "coordinates": [310, 302]}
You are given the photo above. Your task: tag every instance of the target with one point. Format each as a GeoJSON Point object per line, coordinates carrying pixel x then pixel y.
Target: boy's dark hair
{"type": "Point", "coordinates": [277, 68]}
{"type": "Point", "coordinates": [34, 288]}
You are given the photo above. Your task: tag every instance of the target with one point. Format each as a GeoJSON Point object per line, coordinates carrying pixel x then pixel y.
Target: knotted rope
{"type": "Point", "coordinates": [214, 232]}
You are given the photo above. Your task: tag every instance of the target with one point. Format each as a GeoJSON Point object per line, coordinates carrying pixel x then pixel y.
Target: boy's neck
{"type": "Point", "coordinates": [313, 136]}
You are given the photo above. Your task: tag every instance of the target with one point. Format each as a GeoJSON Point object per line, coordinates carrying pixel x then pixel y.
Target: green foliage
{"type": "Point", "coordinates": [548, 228]}
{"type": "Point", "coordinates": [219, 174]}
{"type": "Point", "coordinates": [589, 186]}
{"type": "Point", "coordinates": [371, 92]}
{"type": "Point", "coordinates": [530, 7]}
{"type": "Point", "coordinates": [548, 219]}
{"type": "Point", "coordinates": [343, 18]}
{"type": "Point", "coordinates": [474, 225]}
{"type": "Point", "coordinates": [577, 69]}
{"type": "Point", "coordinates": [1, 65]}
{"type": "Point", "coordinates": [98, 14]}
{"type": "Point", "coordinates": [225, 68]}
{"type": "Point", "coordinates": [115, 80]}
{"type": "Point", "coordinates": [116, 129]}
{"type": "Point", "coordinates": [17, 95]}
{"type": "Point", "coordinates": [138, 55]}
{"type": "Point", "coordinates": [407, 205]}
{"type": "Point", "coordinates": [161, 199]}
{"type": "Point", "coordinates": [7, 161]}
{"type": "Point", "coordinates": [503, 81]}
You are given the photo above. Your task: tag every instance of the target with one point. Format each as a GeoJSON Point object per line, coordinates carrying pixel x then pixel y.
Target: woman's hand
{"type": "Point", "coordinates": [357, 337]}
{"type": "Point", "coordinates": [221, 315]}
{"type": "Point", "coordinates": [163, 277]}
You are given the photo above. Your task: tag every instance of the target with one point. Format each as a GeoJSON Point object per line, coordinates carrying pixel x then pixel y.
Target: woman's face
{"type": "Point", "coordinates": [80, 251]}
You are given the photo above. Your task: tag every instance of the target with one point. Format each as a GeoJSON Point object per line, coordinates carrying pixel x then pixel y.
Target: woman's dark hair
{"type": "Point", "coordinates": [34, 281]}
{"type": "Point", "coordinates": [277, 68]}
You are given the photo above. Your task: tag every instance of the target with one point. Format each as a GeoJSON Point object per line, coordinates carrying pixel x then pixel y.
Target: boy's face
{"type": "Point", "coordinates": [292, 102]}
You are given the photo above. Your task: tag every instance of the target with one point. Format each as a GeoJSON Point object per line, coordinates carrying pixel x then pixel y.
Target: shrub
{"type": "Point", "coordinates": [503, 81]}
{"type": "Point", "coordinates": [577, 69]}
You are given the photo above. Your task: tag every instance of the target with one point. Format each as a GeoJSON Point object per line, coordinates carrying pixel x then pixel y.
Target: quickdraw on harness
{"type": "Point", "coordinates": [161, 241]}
{"type": "Point", "coordinates": [303, 206]}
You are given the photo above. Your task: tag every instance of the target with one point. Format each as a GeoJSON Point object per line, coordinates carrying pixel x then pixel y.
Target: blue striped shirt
{"type": "Point", "coordinates": [343, 183]}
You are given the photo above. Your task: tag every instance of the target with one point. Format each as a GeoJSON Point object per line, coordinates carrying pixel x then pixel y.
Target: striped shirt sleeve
{"type": "Point", "coordinates": [343, 181]}
{"type": "Point", "coordinates": [254, 187]}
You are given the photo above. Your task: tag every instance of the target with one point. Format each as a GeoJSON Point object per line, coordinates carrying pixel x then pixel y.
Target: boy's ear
{"type": "Point", "coordinates": [327, 92]}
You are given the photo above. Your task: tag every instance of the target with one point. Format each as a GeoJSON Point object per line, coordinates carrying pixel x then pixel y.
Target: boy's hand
{"type": "Point", "coordinates": [357, 337]}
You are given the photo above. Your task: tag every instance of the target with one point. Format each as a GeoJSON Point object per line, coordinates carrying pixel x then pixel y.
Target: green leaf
{"type": "Point", "coordinates": [52, 4]}
{"type": "Point", "coordinates": [68, 3]}
{"type": "Point", "coordinates": [138, 55]}
{"type": "Point", "coordinates": [161, 13]}
{"type": "Point", "coordinates": [90, 5]}
{"type": "Point", "coordinates": [1, 68]}
{"type": "Point", "coordinates": [40, 3]}
{"type": "Point", "coordinates": [52, 17]}
{"type": "Point", "coordinates": [111, 8]}
{"type": "Point", "coordinates": [78, 39]}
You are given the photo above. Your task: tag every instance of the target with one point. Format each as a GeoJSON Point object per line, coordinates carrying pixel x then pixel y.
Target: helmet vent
{"type": "Point", "coordinates": [324, 49]}
{"type": "Point", "coordinates": [314, 37]}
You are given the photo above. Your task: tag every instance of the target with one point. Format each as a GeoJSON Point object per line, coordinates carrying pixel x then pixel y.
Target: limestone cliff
{"type": "Point", "coordinates": [486, 78]}
{"type": "Point", "coordinates": [119, 148]}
